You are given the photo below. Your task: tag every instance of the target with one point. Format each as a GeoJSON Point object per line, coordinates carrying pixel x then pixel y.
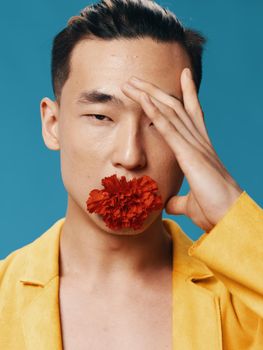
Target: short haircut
{"type": "Point", "coordinates": [117, 19]}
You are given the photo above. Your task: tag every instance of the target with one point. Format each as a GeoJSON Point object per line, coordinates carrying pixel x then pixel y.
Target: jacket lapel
{"type": "Point", "coordinates": [196, 311]}
{"type": "Point", "coordinates": [196, 318]}
{"type": "Point", "coordinates": [41, 323]}
{"type": "Point", "coordinates": [41, 316]}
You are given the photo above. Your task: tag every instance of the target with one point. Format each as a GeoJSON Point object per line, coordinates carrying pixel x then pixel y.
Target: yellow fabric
{"type": "Point", "coordinates": [217, 286]}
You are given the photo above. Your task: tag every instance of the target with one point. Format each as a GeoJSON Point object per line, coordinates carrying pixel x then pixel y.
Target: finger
{"type": "Point", "coordinates": [172, 101]}
{"type": "Point", "coordinates": [168, 130]}
{"type": "Point", "coordinates": [177, 205]}
{"type": "Point", "coordinates": [154, 91]}
{"type": "Point", "coordinates": [184, 151]}
{"type": "Point", "coordinates": [191, 103]}
{"type": "Point", "coordinates": [167, 112]}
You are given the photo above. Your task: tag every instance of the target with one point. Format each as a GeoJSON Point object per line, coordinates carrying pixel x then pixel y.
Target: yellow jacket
{"type": "Point", "coordinates": [217, 287]}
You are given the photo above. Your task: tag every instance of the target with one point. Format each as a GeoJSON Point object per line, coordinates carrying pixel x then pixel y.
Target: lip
{"type": "Point", "coordinates": [128, 177]}
{"type": "Point", "coordinates": [140, 197]}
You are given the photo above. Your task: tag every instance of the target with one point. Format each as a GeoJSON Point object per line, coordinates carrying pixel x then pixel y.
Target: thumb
{"type": "Point", "coordinates": [176, 205]}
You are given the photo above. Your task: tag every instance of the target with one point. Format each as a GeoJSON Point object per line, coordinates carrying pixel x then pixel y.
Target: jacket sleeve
{"type": "Point", "coordinates": [233, 251]}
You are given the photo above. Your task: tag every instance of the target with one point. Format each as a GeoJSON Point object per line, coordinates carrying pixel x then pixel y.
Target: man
{"type": "Point", "coordinates": [83, 285]}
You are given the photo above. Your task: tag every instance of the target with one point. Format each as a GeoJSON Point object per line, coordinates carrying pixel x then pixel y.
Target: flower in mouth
{"type": "Point", "coordinates": [125, 204]}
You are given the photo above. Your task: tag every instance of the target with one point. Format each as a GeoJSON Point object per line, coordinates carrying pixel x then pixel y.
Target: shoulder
{"type": "Point", "coordinates": [12, 264]}
{"type": "Point", "coordinates": [13, 260]}
{"type": "Point", "coordinates": [11, 267]}
{"type": "Point", "coordinates": [18, 261]}
{"type": "Point", "coordinates": [34, 253]}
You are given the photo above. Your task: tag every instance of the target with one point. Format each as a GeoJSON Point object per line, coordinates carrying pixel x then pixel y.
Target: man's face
{"type": "Point", "coordinates": [124, 141]}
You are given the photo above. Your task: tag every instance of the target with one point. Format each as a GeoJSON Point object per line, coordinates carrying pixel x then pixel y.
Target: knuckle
{"type": "Point", "coordinates": [156, 114]}
{"type": "Point", "coordinates": [175, 104]}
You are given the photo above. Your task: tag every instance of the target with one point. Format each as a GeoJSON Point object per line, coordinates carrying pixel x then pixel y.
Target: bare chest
{"type": "Point", "coordinates": [97, 320]}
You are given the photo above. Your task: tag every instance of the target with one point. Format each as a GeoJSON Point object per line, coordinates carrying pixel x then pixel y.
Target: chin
{"type": "Point", "coordinates": [128, 231]}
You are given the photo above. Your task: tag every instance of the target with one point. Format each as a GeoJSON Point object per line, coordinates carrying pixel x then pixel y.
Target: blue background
{"type": "Point", "coordinates": [32, 193]}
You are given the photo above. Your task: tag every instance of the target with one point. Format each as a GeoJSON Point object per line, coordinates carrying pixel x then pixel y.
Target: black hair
{"type": "Point", "coordinates": [116, 19]}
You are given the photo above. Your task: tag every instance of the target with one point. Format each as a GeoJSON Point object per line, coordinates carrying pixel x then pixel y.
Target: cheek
{"type": "Point", "coordinates": [81, 146]}
{"type": "Point", "coordinates": [80, 162]}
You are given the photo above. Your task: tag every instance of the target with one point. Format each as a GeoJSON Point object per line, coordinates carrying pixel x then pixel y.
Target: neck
{"type": "Point", "coordinates": [89, 252]}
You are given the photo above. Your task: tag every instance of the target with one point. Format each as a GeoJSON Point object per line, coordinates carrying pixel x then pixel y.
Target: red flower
{"type": "Point", "coordinates": [125, 204]}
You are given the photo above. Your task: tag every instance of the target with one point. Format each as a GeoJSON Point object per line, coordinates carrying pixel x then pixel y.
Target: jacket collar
{"type": "Point", "coordinates": [42, 257]}
{"type": "Point", "coordinates": [39, 271]}
{"type": "Point", "coordinates": [187, 265]}
{"type": "Point", "coordinates": [41, 317]}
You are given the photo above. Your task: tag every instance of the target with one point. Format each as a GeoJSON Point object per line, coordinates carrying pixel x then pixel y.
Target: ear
{"type": "Point", "coordinates": [49, 118]}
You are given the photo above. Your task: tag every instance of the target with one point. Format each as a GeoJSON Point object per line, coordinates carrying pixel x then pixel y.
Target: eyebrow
{"type": "Point", "coordinates": [96, 96]}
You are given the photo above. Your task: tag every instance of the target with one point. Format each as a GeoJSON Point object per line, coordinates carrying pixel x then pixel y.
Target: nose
{"type": "Point", "coordinates": [129, 151]}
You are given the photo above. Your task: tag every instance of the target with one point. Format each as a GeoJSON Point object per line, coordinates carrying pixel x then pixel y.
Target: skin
{"type": "Point", "coordinates": [212, 189]}
{"type": "Point", "coordinates": [125, 143]}
{"type": "Point", "coordinates": [124, 278]}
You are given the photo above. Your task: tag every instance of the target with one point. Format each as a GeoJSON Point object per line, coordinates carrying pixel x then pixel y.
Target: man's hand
{"type": "Point", "coordinates": [212, 189]}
